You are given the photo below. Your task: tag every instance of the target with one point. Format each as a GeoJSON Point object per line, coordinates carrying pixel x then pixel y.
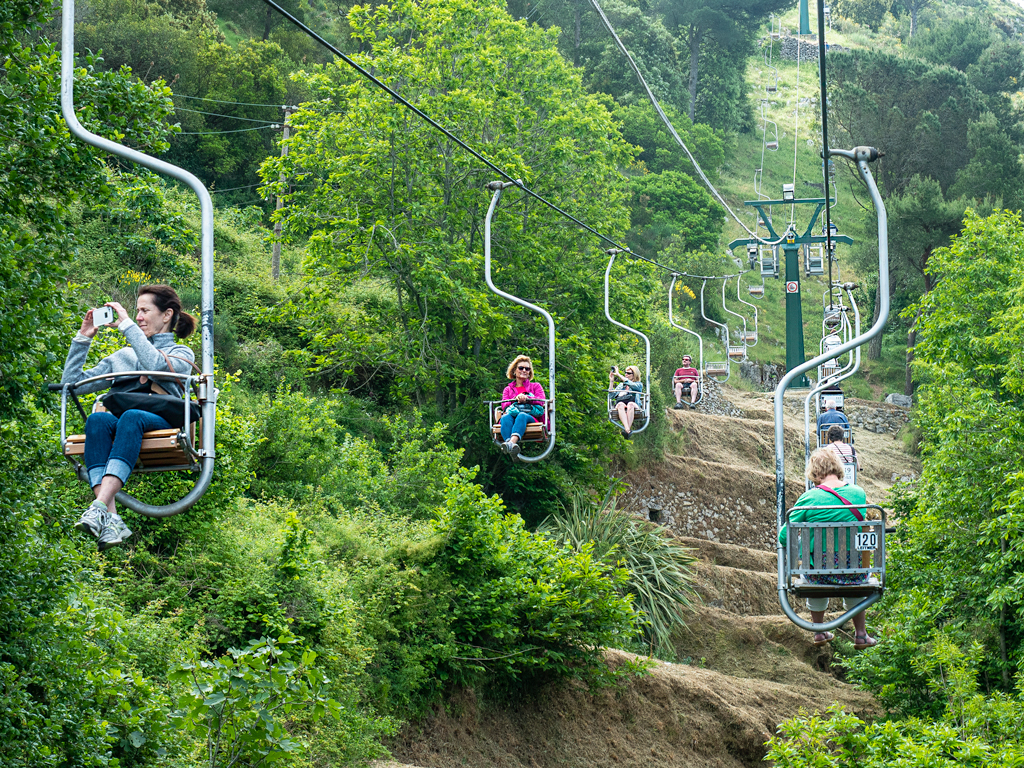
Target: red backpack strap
{"type": "Point", "coordinates": [853, 509]}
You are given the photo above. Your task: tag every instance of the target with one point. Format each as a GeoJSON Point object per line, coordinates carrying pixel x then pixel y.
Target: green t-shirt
{"type": "Point", "coordinates": [814, 498]}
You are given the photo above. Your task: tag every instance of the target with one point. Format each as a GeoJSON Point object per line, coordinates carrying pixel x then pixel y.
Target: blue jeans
{"type": "Point", "coordinates": [515, 424]}
{"type": "Point", "coordinates": [112, 444]}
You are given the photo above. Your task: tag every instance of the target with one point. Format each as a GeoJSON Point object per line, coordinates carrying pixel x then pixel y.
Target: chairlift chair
{"type": "Point", "coordinates": [749, 338]}
{"type": "Point", "coordinates": [538, 431]}
{"type": "Point", "coordinates": [717, 368]}
{"type": "Point", "coordinates": [814, 259]}
{"type": "Point", "coordinates": [756, 291]}
{"type": "Point", "coordinates": [823, 434]}
{"type": "Point", "coordinates": [769, 260]}
{"type": "Point", "coordinates": [700, 339]}
{"type": "Point", "coordinates": [643, 412]}
{"type": "Point", "coordinates": [838, 548]}
{"type": "Point", "coordinates": [798, 558]}
{"type": "Point", "coordinates": [752, 254]}
{"type": "Point", "coordinates": [162, 450]}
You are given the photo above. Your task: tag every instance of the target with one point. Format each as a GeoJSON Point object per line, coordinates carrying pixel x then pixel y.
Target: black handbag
{"type": "Point", "coordinates": [137, 394]}
{"type": "Point", "coordinates": [168, 407]}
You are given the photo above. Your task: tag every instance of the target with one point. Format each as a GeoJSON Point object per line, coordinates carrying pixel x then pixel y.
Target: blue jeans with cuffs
{"type": "Point", "coordinates": [515, 425]}
{"type": "Point", "coordinates": [112, 444]}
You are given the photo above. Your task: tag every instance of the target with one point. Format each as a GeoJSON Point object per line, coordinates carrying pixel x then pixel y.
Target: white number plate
{"type": "Point", "coordinates": [866, 542]}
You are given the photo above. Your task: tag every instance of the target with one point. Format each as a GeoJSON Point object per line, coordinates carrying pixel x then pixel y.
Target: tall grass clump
{"type": "Point", "coordinates": [660, 570]}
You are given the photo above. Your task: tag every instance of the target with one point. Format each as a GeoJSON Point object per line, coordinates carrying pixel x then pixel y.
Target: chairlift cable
{"type": "Point", "coordinates": [796, 130]}
{"type": "Point", "coordinates": [672, 130]}
{"type": "Point", "coordinates": [222, 101]}
{"type": "Point", "coordinates": [433, 123]}
{"type": "Point", "coordinates": [824, 139]}
{"type": "Point", "coordinates": [217, 133]}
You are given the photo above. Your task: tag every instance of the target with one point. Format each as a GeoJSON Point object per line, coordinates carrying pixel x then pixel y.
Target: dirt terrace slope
{"type": "Point", "coordinates": [746, 667]}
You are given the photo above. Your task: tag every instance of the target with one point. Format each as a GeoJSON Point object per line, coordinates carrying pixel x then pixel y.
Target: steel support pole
{"type": "Point", "coordinates": [794, 312]}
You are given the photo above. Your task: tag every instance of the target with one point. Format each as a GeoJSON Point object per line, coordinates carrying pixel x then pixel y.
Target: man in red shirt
{"type": "Point", "coordinates": [686, 380]}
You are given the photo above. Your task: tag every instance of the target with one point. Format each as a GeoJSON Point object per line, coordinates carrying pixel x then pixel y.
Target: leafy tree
{"type": "Point", "coordinates": [238, 705]}
{"type": "Point", "coordinates": [914, 8]}
{"type": "Point", "coordinates": [42, 171]}
{"type": "Point", "coordinates": [382, 196]}
{"type": "Point", "coordinates": [659, 151]}
{"type": "Point", "coordinates": [960, 540]}
{"type": "Point", "coordinates": [672, 204]}
{"type": "Point", "coordinates": [870, 13]}
{"type": "Point", "coordinates": [730, 24]}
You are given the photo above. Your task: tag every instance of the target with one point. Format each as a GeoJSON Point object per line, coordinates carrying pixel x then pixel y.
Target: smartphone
{"type": "Point", "coordinates": [102, 316]}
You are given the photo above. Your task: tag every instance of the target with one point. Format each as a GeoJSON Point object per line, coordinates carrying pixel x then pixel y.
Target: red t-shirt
{"type": "Point", "coordinates": [686, 373]}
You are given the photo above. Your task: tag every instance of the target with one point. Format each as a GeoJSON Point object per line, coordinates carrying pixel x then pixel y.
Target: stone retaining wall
{"type": "Point", "coordinates": [807, 49]}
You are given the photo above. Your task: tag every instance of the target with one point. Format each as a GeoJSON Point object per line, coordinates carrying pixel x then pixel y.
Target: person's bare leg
{"type": "Point", "coordinates": [627, 417]}
{"type": "Point", "coordinates": [107, 489]}
{"type": "Point", "coordinates": [693, 393]}
{"type": "Point", "coordinates": [678, 389]}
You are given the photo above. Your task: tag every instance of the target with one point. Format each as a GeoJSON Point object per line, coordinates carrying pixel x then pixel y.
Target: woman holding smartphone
{"type": "Point", "coordinates": [112, 444]}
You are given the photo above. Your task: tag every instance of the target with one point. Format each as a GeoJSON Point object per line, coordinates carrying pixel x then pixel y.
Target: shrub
{"type": "Point", "coordinates": [660, 579]}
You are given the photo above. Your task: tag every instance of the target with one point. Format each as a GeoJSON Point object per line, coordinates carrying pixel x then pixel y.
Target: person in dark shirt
{"type": "Point", "coordinates": [832, 416]}
{"type": "Point", "coordinates": [686, 380]}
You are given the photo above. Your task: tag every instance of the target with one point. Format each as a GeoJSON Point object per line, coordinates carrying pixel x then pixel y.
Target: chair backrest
{"type": "Point", "coordinates": [835, 548]}
{"type": "Point", "coordinates": [716, 369]}
{"type": "Point", "coordinates": [823, 434]}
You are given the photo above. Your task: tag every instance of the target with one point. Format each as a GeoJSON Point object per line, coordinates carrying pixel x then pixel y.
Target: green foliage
{"type": "Point", "coordinates": [523, 608]}
{"type": "Point", "coordinates": [42, 171]}
{"type": "Point", "coordinates": [957, 555]}
{"type": "Point", "coordinates": [973, 730]}
{"type": "Point", "coordinates": [869, 13]}
{"type": "Point", "coordinates": [239, 704]}
{"type": "Point", "coordinates": [70, 692]}
{"type": "Point", "coordinates": [660, 571]}
{"type": "Point", "coordinates": [672, 205]}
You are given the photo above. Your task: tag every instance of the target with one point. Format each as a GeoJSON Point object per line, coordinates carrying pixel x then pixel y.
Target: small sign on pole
{"type": "Point", "coordinates": [792, 286]}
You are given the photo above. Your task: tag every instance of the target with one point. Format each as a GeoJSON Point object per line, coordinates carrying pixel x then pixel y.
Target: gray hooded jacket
{"type": "Point", "coordinates": [143, 354]}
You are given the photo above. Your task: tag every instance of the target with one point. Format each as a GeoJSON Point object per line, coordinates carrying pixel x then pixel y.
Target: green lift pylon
{"type": "Point", "coordinates": [805, 18]}
{"type": "Point", "coordinates": [791, 245]}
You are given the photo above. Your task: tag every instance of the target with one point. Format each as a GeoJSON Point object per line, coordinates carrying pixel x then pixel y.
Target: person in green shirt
{"type": "Point", "coordinates": [825, 472]}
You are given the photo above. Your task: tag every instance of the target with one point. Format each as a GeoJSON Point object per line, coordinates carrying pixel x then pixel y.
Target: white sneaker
{"type": "Point", "coordinates": [93, 520]}
{"type": "Point", "coordinates": [114, 532]}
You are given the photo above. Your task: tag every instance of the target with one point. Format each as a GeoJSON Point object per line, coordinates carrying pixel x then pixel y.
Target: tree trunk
{"type": "Point", "coordinates": [908, 384]}
{"type": "Point", "coordinates": [694, 56]}
{"type": "Point", "coordinates": [576, 47]}
{"type": "Point", "coordinates": [913, 19]}
{"type": "Point", "coordinates": [266, 25]}
{"type": "Point", "coordinates": [875, 347]}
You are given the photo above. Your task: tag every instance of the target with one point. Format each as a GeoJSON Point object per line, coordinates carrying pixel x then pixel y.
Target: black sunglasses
{"type": "Point", "coordinates": [523, 368]}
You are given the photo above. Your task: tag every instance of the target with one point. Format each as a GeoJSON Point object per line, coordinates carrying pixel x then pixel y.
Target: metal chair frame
{"type": "Point", "coordinates": [644, 411]}
{"type": "Point", "coordinates": [736, 353]}
{"type": "Point", "coordinates": [206, 393]}
{"type": "Point", "coordinates": [716, 368]}
{"type": "Point", "coordinates": [748, 334]}
{"type": "Point", "coordinates": [497, 187]}
{"type": "Point", "coordinates": [861, 156]}
{"type": "Point", "coordinates": [834, 541]}
{"type": "Point", "coordinates": [700, 341]}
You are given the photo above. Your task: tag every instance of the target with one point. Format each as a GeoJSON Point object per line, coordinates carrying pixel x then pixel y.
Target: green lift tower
{"type": "Point", "coordinates": [791, 244]}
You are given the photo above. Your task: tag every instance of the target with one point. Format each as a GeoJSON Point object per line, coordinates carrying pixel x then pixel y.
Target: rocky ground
{"type": "Point", "coordinates": [741, 667]}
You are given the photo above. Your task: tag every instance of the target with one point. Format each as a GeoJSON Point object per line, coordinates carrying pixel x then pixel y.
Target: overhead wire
{"type": "Point", "coordinates": [824, 141]}
{"type": "Point", "coordinates": [222, 101]}
{"type": "Point", "coordinates": [796, 129]}
{"type": "Point", "coordinates": [230, 117]}
{"type": "Point", "coordinates": [212, 133]}
{"type": "Point", "coordinates": [497, 169]}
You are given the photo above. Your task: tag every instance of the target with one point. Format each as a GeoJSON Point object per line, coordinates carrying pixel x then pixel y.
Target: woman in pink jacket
{"type": "Point", "coordinates": [522, 403]}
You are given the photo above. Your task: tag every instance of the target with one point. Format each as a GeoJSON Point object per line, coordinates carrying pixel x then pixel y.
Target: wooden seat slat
{"type": "Point", "coordinates": [802, 588]}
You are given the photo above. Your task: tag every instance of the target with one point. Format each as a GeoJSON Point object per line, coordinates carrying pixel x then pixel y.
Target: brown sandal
{"type": "Point", "coordinates": [827, 637]}
{"type": "Point", "coordinates": [867, 642]}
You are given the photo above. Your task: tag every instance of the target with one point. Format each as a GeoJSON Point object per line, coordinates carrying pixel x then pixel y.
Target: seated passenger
{"type": "Point", "coordinates": [832, 416]}
{"type": "Point", "coordinates": [113, 444]}
{"type": "Point", "coordinates": [522, 403]}
{"type": "Point", "coordinates": [686, 381]}
{"type": "Point", "coordinates": [825, 471]}
{"type": "Point", "coordinates": [627, 396]}
{"type": "Point", "coordinates": [844, 451]}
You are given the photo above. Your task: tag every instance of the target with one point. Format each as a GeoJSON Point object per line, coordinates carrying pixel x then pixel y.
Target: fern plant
{"type": "Point", "coordinates": [661, 571]}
